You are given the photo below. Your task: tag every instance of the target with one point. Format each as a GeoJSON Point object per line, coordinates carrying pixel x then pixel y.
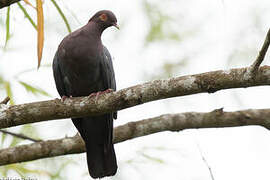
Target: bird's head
{"type": "Point", "coordinates": [104, 19]}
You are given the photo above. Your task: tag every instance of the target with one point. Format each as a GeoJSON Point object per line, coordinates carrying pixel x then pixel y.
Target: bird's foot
{"type": "Point", "coordinates": [100, 92]}
{"type": "Point", "coordinates": [106, 91]}
{"type": "Point", "coordinates": [63, 98]}
{"type": "Point", "coordinates": [97, 94]}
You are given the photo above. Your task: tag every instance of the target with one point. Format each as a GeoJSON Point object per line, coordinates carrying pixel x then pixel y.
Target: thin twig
{"type": "Point", "coordinates": [5, 101]}
{"type": "Point", "coordinates": [204, 160]}
{"type": "Point", "coordinates": [22, 136]}
{"type": "Point", "coordinates": [261, 55]}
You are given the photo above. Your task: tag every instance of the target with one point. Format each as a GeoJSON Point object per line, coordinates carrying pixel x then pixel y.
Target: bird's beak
{"type": "Point", "coordinates": [116, 25]}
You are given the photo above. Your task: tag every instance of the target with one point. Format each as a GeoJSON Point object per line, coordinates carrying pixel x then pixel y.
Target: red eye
{"type": "Point", "coordinates": [103, 17]}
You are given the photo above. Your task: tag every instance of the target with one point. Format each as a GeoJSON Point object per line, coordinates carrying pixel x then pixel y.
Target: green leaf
{"type": "Point", "coordinates": [27, 130]}
{"type": "Point", "coordinates": [33, 90]}
{"type": "Point", "coordinates": [15, 141]}
{"type": "Point", "coordinates": [22, 170]}
{"type": "Point", "coordinates": [57, 174]}
{"type": "Point", "coordinates": [62, 15]}
{"type": "Point", "coordinates": [1, 80]}
{"type": "Point", "coordinates": [30, 131]}
{"type": "Point", "coordinates": [159, 23]}
{"type": "Point", "coordinates": [4, 171]}
{"type": "Point", "coordinates": [9, 91]}
{"type": "Point", "coordinates": [7, 26]}
{"type": "Point", "coordinates": [27, 15]}
{"type": "Point", "coordinates": [3, 138]}
{"type": "Point", "coordinates": [152, 158]}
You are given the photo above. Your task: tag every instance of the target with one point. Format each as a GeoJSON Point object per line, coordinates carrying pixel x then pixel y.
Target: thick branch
{"type": "Point", "coordinates": [5, 3]}
{"type": "Point", "coordinates": [159, 89]}
{"type": "Point", "coordinates": [168, 122]}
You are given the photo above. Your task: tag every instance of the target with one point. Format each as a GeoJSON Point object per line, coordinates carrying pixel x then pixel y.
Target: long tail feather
{"type": "Point", "coordinates": [97, 134]}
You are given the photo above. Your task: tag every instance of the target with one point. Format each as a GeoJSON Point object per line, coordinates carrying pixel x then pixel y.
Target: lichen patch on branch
{"type": "Point", "coordinates": [227, 72]}
{"type": "Point", "coordinates": [188, 82]}
{"type": "Point", "coordinates": [3, 108]}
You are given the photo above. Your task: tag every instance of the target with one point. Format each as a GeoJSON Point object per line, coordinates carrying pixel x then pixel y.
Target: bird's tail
{"type": "Point", "coordinates": [97, 134]}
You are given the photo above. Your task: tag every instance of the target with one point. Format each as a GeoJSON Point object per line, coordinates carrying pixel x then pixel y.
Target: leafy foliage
{"type": "Point", "coordinates": [62, 15]}
{"type": "Point", "coordinates": [24, 170]}
{"type": "Point", "coordinates": [39, 26]}
{"type": "Point", "coordinates": [9, 92]}
{"type": "Point", "coordinates": [27, 15]}
{"type": "Point", "coordinates": [7, 26]}
{"type": "Point", "coordinates": [158, 21]}
{"type": "Point", "coordinates": [33, 90]}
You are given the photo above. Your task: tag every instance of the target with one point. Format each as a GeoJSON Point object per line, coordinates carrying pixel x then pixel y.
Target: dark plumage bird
{"type": "Point", "coordinates": [81, 66]}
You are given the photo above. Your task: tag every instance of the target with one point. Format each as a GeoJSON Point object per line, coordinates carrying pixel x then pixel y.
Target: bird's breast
{"type": "Point", "coordinates": [81, 59]}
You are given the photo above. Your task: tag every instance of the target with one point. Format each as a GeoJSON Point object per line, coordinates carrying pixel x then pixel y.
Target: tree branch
{"type": "Point", "coordinates": [5, 101]}
{"type": "Point", "coordinates": [168, 122]}
{"type": "Point", "coordinates": [5, 3]}
{"type": "Point", "coordinates": [205, 161]}
{"type": "Point", "coordinates": [21, 136]}
{"type": "Point", "coordinates": [255, 66]}
{"type": "Point", "coordinates": [159, 89]}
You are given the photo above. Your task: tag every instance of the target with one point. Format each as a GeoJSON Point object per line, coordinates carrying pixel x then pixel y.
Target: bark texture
{"type": "Point", "coordinates": [158, 89]}
{"type": "Point", "coordinates": [168, 122]}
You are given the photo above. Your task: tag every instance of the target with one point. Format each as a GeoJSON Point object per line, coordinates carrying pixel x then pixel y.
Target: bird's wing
{"type": "Point", "coordinates": [58, 77]}
{"type": "Point", "coordinates": [108, 72]}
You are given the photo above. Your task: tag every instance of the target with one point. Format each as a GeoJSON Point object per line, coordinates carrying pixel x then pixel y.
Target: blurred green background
{"type": "Point", "coordinates": [157, 40]}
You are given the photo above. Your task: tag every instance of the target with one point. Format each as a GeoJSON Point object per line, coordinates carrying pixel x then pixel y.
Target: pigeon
{"type": "Point", "coordinates": [82, 66]}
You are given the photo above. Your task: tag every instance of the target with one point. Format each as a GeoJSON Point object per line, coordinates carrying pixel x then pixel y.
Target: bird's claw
{"type": "Point", "coordinates": [97, 94]}
{"type": "Point", "coordinates": [107, 91]}
{"type": "Point", "coordinates": [63, 98]}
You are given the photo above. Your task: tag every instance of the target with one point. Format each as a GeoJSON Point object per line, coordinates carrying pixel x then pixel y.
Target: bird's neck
{"type": "Point", "coordinates": [94, 30]}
